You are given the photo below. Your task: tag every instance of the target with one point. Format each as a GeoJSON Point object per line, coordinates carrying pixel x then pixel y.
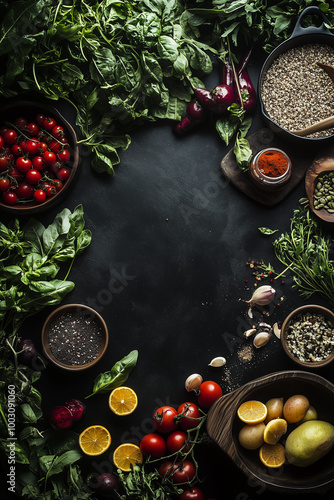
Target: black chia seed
{"type": "Point", "coordinates": [75, 338]}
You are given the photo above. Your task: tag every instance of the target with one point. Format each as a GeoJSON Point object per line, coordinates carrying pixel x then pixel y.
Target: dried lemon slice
{"type": "Point", "coordinates": [123, 400]}
{"type": "Point", "coordinates": [94, 440]}
{"type": "Point", "coordinates": [272, 455]}
{"type": "Point", "coordinates": [127, 454]}
{"type": "Point", "coordinates": [252, 412]}
{"type": "Point", "coordinates": [274, 430]}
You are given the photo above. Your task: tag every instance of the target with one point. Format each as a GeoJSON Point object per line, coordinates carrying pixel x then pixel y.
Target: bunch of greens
{"type": "Point", "coordinates": [139, 484]}
{"type": "Point", "coordinates": [308, 254]}
{"type": "Point", "coordinates": [30, 259]}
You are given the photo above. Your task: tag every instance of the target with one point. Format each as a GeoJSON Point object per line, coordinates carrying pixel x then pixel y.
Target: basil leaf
{"type": "Point", "coordinates": [243, 152]}
{"type": "Point", "coordinates": [267, 231]}
{"type": "Point", "coordinates": [118, 374]}
{"type": "Point", "coordinates": [226, 128]}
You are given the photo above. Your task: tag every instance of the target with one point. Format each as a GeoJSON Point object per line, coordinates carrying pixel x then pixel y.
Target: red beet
{"type": "Point", "coordinates": [77, 409]}
{"type": "Point", "coordinates": [107, 485]}
{"type": "Point", "coordinates": [28, 351]}
{"type": "Point", "coordinates": [61, 417]}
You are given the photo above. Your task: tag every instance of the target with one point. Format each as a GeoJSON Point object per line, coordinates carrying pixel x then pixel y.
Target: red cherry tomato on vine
{"type": "Point", "coordinates": [10, 136]}
{"type": "Point", "coordinates": [5, 184]}
{"type": "Point", "coordinates": [180, 472]}
{"type": "Point", "coordinates": [191, 416]}
{"type": "Point", "coordinates": [209, 393]}
{"type": "Point", "coordinates": [9, 197]}
{"type": "Point", "coordinates": [49, 157]}
{"type": "Point", "coordinates": [23, 164]}
{"type": "Point", "coordinates": [17, 150]}
{"type": "Point", "coordinates": [40, 119]}
{"type": "Point", "coordinates": [63, 174]}
{"type": "Point", "coordinates": [49, 123]}
{"type": "Point", "coordinates": [4, 163]}
{"type": "Point", "coordinates": [153, 445]}
{"type": "Point", "coordinates": [32, 129]}
{"type": "Point", "coordinates": [33, 176]}
{"type": "Point", "coordinates": [32, 147]}
{"type": "Point", "coordinates": [176, 441]}
{"type": "Point", "coordinates": [1, 142]}
{"type": "Point", "coordinates": [64, 155]}
{"type": "Point", "coordinates": [21, 122]}
{"type": "Point", "coordinates": [58, 131]}
{"type": "Point", "coordinates": [24, 191]}
{"type": "Point", "coordinates": [3, 130]}
{"type": "Point", "coordinates": [192, 494]}
{"type": "Point", "coordinates": [40, 195]}
{"type": "Point", "coordinates": [38, 163]}
{"type": "Point", "coordinates": [57, 184]}
{"type": "Point", "coordinates": [15, 173]}
{"type": "Point", "coordinates": [55, 146]}
{"type": "Point", "coordinates": [42, 147]}
{"type": "Point", "coordinates": [163, 419]}
{"type": "Point", "coordinates": [50, 191]}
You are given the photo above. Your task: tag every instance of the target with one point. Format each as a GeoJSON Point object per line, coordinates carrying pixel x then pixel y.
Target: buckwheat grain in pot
{"type": "Point", "coordinates": [296, 92]}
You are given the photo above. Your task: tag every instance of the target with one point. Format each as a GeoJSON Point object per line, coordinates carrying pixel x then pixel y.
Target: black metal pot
{"type": "Point", "coordinates": [300, 36]}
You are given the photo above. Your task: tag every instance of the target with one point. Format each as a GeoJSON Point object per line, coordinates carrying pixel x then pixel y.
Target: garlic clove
{"type": "Point", "coordinates": [261, 339]}
{"type": "Point", "coordinates": [250, 332]}
{"type": "Point", "coordinates": [277, 330]}
{"type": "Point", "coordinates": [262, 296]}
{"type": "Point", "coordinates": [217, 362]}
{"type": "Point", "coordinates": [193, 382]}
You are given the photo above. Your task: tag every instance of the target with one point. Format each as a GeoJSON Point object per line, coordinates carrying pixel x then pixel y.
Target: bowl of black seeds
{"type": "Point", "coordinates": [74, 337]}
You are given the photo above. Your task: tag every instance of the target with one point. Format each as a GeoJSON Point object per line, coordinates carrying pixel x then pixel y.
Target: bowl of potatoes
{"type": "Point", "coordinates": [279, 431]}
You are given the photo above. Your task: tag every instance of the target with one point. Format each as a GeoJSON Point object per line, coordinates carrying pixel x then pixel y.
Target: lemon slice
{"type": "Point", "coordinates": [127, 454]}
{"type": "Point", "coordinates": [95, 440]}
{"type": "Point", "coordinates": [274, 430]}
{"type": "Point", "coordinates": [272, 455]}
{"type": "Point", "coordinates": [123, 401]}
{"type": "Point", "coordinates": [252, 412]}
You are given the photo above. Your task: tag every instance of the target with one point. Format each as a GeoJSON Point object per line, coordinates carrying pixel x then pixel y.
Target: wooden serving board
{"type": "Point", "coordinates": [262, 139]}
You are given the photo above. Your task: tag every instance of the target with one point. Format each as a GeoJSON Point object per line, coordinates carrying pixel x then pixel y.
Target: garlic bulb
{"type": "Point", "coordinates": [262, 296]}
{"type": "Point", "coordinates": [193, 382]}
{"type": "Point", "coordinates": [217, 362]}
{"type": "Point", "coordinates": [261, 339]}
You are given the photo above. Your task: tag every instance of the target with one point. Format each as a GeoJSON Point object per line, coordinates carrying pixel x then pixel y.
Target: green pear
{"type": "Point", "coordinates": [309, 442]}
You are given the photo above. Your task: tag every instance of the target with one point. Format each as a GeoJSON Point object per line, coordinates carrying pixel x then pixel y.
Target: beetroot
{"type": "Point", "coordinates": [28, 351]}
{"type": "Point", "coordinates": [107, 485]}
{"type": "Point", "coordinates": [77, 409]}
{"type": "Point", "coordinates": [61, 417]}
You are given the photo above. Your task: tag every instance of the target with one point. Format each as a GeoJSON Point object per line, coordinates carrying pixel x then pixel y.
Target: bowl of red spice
{"type": "Point", "coordinates": [271, 169]}
{"type": "Point", "coordinates": [74, 337]}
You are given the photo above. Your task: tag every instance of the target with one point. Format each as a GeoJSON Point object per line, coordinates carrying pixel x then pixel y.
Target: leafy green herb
{"type": "Point", "coordinates": [140, 484]}
{"type": "Point", "coordinates": [267, 230]}
{"type": "Point", "coordinates": [106, 382]}
{"type": "Point", "coordinates": [307, 254]}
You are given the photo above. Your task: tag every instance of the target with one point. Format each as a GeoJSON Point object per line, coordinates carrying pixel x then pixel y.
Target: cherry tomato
{"type": "Point", "coordinates": [57, 184]}
{"type": "Point", "coordinates": [32, 147]}
{"type": "Point", "coordinates": [192, 494]}
{"type": "Point", "coordinates": [10, 136]}
{"type": "Point", "coordinates": [49, 157]}
{"type": "Point", "coordinates": [63, 174]}
{"type": "Point", "coordinates": [63, 140]}
{"type": "Point", "coordinates": [163, 419]}
{"type": "Point", "coordinates": [40, 195]}
{"type": "Point", "coordinates": [153, 445]}
{"type": "Point", "coordinates": [21, 122]}
{"type": "Point", "coordinates": [33, 176]}
{"type": "Point", "coordinates": [3, 130]}
{"type": "Point", "coordinates": [23, 146]}
{"type": "Point", "coordinates": [191, 416]}
{"type": "Point", "coordinates": [180, 472]}
{"type": "Point", "coordinates": [1, 142]}
{"type": "Point", "coordinates": [50, 191]}
{"type": "Point", "coordinates": [42, 147]}
{"type": "Point", "coordinates": [209, 393]}
{"type": "Point", "coordinates": [17, 150]}
{"type": "Point", "coordinates": [40, 118]}
{"type": "Point", "coordinates": [5, 184]}
{"type": "Point", "coordinates": [32, 129]}
{"type": "Point", "coordinates": [64, 155]}
{"type": "Point", "coordinates": [55, 146]}
{"type": "Point", "coordinates": [49, 123]}
{"type": "Point", "coordinates": [24, 191]}
{"type": "Point", "coordinates": [4, 163]}
{"type": "Point", "coordinates": [177, 441]}
{"type": "Point", "coordinates": [15, 173]}
{"type": "Point", "coordinates": [9, 197]}
{"type": "Point", "coordinates": [23, 164]}
{"type": "Point", "coordinates": [58, 131]}
{"type": "Point", "coordinates": [38, 163]}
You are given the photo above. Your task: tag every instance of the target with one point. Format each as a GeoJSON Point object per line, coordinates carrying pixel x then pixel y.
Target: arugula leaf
{"type": "Point", "coordinates": [267, 230]}
{"type": "Point", "coordinates": [106, 382]}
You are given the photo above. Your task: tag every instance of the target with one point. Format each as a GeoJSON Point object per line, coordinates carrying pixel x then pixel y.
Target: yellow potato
{"type": "Point", "coordinates": [251, 436]}
{"type": "Point", "coordinates": [295, 408]}
{"type": "Point", "coordinates": [311, 414]}
{"type": "Point", "coordinates": [275, 409]}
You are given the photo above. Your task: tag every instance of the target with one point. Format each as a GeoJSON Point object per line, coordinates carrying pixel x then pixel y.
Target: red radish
{"type": "Point", "coordinates": [77, 409]}
{"type": "Point", "coordinates": [28, 351]}
{"type": "Point", "coordinates": [61, 417]}
{"type": "Point", "coordinates": [246, 83]}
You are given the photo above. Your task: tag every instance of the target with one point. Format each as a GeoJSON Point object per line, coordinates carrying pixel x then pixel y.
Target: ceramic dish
{"type": "Point", "coordinates": [69, 323]}
{"type": "Point", "coordinates": [313, 173]}
{"type": "Point", "coordinates": [284, 330]}
{"type": "Point", "coordinates": [29, 110]}
{"type": "Point", "coordinates": [223, 426]}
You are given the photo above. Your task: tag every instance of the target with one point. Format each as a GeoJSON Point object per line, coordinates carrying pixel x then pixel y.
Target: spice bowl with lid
{"type": "Point", "coordinates": [307, 336]}
{"type": "Point", "coordinates": [270, 169]}
{"type": "Point", "coordinates": [74, 337]}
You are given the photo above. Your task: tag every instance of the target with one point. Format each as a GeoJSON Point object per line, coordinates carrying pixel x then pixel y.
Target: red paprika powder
{"type": "Point", "coordinates": [272, 163]}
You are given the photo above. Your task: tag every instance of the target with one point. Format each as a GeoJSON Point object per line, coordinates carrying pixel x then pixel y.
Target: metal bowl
{"type": "Point", "coordinates": [28, 110]}
{"type": "Point", "coordinates": [329, 315]}
{"type": "Point", "coordinates": [300, 36]}
{"type": "Point", "coordinates": [223, 426]}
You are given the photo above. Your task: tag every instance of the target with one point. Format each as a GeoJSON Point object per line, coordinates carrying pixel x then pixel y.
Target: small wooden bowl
{"type": "Point", "coordinates": [28, 110]}
{"type": "Point", "coordinates": [284, 330]}
{"type": "Point", "coordinates": [223, 426]}
{"type": "Point", "coordinates": [317, 169]}
{"type": "Point", "coordinates": [91, 315]}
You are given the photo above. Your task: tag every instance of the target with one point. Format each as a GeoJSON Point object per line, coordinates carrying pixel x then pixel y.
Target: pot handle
{"type": "Point", "coordinates": [299, 30]}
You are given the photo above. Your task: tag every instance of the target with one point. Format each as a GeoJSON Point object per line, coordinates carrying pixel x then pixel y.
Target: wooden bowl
{"type": "Point", "coordinates": [28, 110]}
{"type": "Point", "coordinates": [316, 170]}
{"type": "Point", "coordinates": [90, 316]}
{"type": "Point", "coordinates": [284, 330]}
{"type": "Point", "coordinates": [223, 426]}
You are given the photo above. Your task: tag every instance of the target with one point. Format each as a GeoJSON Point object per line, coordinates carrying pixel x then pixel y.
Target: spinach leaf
{"type": "Point", "coordinates": [106, 382]}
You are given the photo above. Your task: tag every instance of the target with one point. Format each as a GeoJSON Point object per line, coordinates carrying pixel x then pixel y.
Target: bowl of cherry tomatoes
{"type": "Point", "coordinates": [39, 156]}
